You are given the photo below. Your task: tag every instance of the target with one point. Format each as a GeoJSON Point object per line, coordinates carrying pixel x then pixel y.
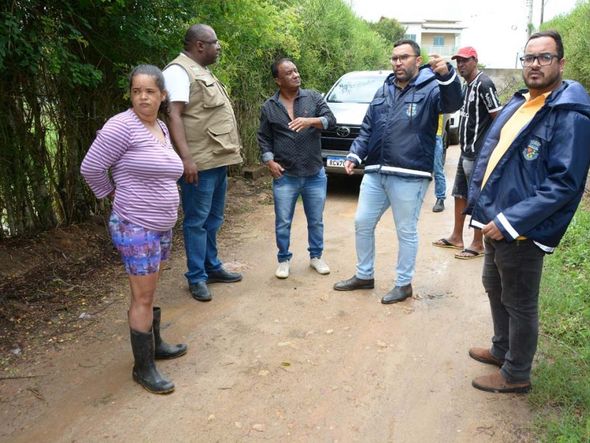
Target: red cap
{"type": "Point", "coordinates": [466, 52]}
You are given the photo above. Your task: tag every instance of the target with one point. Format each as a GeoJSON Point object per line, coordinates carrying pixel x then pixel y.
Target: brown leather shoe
{"type": "Point", "coordinates": [485, 356]}
{"type": "Point", "coordinates": [497, 383]}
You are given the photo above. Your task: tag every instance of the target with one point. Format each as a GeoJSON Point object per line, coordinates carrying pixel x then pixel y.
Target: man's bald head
{"type": "Point", "coordinates": [199, 32]}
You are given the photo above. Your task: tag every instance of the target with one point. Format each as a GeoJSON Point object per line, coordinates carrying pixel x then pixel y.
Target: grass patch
{"type": "Point", "coordinates": [561, 395]}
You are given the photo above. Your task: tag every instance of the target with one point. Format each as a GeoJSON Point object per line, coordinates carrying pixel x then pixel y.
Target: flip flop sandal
{"type": "Point", "coordinates": [472, 254]}
{"type": "Point", "coordinates": [444, 243]}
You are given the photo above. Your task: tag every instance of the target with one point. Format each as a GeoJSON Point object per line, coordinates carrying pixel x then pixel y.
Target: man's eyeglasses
{"type": "Point", "coordinates": [544, 59]}
{"type": "Point", "coordinates": [402, 58]}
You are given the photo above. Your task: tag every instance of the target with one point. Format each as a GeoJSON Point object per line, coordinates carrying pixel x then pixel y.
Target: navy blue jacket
{"type": "Point", "coordinates": [399, 129]}
{"type": "Point", "coordinates": [536, 187]}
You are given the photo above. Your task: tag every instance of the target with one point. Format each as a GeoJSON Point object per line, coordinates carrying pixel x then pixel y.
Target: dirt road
{"type": "Point", "coordinates": [288, 360]}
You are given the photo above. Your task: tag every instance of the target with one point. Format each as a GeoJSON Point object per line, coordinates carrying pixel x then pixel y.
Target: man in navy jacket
{"type": "Point", "coordinates": [526, 185]}
{"type": "Point", "coordinates": [396, 143]}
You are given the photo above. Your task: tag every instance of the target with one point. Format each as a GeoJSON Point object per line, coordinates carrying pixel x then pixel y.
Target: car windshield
{"type": "Point", "coordinates": [356, 89]}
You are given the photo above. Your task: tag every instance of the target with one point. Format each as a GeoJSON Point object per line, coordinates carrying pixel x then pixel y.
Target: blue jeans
{"type": "Point", "coordinates": [405, 196]}
{"type": "Point", "coordinates": [511, 277]}
{"type": "Point", "coordinates": [203, 204]}
{"type": "Point", "coordinates": [286, 190]}
{"type": "Point", "coordinates": [440, 183]}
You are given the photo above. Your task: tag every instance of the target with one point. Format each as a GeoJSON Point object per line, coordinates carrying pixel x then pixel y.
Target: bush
{"type": "Point", "coordinates": [64, 67]}
{"type": "Point", "coordinates": [562, 393]}
{"type": "Point", "coordinates": [323, 37]}
{"type": "Point", "coordinates": [573, 28]}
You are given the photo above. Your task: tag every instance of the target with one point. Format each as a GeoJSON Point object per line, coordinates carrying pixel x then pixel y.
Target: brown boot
{"type": "Point", "coordinates": [485, 356]}
{"type": "Point", "coordinates": [497, 383]}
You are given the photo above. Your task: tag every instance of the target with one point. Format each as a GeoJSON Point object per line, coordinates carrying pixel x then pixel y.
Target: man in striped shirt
{"type": "Point", "coordinates": [480, 106]}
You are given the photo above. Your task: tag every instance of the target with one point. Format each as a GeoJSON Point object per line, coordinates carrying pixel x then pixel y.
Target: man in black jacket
{"type": "Point", "coordinates": [289, 137]}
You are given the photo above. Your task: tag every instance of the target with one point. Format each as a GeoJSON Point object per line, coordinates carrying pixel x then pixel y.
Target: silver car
{"type": "Point", "coordinates": [348, 99]}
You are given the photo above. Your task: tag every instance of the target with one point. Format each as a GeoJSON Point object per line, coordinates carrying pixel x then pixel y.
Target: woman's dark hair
{"type": "Point", "coordinates": [156, 74]}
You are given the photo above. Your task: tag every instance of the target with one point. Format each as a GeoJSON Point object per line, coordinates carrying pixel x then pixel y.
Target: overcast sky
{"type": "Point", "coordinates": [496, 28]}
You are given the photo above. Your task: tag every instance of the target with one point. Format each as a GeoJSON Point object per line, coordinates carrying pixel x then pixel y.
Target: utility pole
{"type": "Point", "coordinates": [529, 5]}
{"type": "Point", "coordinates": [542, 10]}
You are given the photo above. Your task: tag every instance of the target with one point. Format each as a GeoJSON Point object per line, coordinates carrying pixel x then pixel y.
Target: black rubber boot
{"type": "Point", "coordinates": [164, 350]}
{"type": "Point", "coordinates": [144, 369]}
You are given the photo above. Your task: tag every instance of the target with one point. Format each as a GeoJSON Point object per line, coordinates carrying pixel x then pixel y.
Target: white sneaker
{"type": "Point", "coordinates": [319, 265]}
{"type": "Point", "coordinates": [282, 270]}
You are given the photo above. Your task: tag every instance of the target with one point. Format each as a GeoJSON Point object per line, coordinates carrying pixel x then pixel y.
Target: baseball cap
{"type": "Point", "coordinates": [466, 52]}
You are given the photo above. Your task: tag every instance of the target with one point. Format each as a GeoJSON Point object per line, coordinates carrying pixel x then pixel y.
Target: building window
{"type": "Point", "coordinates": [438, 40]}
{"type": "Point", "coordinates": [410, 37]}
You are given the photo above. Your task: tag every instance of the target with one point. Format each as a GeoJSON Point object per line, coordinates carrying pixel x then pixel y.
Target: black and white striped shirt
{"type": "Point", "coordinates": [480, 99]}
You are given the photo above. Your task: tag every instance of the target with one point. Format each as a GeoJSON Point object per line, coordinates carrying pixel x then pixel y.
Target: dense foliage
{"type": "Point", "coordinates": [562, 393]}
{"type": "Point", "coordinates": [389, 28]}
{"type": "Point", "coordinates": [63, 68]}
{"type": "Point", "coordinates": [575, 33]}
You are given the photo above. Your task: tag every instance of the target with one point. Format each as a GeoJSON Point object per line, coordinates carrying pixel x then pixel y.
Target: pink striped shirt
{"type": "Point", "coordinates": [144, 171]}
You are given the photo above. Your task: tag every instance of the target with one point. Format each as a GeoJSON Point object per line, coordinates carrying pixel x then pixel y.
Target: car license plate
{"type": "Point", "coordinates": [337, 162]}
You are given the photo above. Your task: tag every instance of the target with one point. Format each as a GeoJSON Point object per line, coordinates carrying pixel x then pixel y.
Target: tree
{"type": "Point", "coordinates": [573, 28]}
{"type": "Point", "coordinates": [64, 68]}
{"type": "Point", "coordinates": [389, 28]}
{"type": "Point", "coordinates": [62, 65]}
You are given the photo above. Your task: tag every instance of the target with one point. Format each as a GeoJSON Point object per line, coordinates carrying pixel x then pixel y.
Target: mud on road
{"type": "Point", "coordinates": [286, 360]}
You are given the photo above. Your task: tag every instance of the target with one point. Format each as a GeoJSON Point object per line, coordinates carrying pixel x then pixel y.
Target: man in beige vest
{"type": "Point", "coordinates": [204, 131]}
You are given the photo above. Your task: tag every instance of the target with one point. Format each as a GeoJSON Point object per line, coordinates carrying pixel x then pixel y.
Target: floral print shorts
{"type": "Point", "coordinates": [141, 249]}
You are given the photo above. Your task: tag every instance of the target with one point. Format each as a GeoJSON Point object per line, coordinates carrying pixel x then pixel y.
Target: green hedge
{"type": "Point", "coordinates": [63, 69]}
{"type": "Point", "coordinates": [575, 33]}
{"type": "Point", "coordinates": [561, 394]}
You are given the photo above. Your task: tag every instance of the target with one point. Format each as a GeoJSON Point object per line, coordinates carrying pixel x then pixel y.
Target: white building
{"type": "Point", "coordinates": [435, 36]}
{"type": "Point", "coordinates": [497, 29]}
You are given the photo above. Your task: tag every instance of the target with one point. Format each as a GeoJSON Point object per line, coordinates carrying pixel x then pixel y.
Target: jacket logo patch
{"type": "Point", "coordinates": [412, 110]}
{"type": "Point", "coordinates": [531, 152]}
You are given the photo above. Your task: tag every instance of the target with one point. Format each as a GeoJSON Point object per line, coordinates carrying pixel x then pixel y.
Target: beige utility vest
{"type": "Point", "coordinates": [209, 121]}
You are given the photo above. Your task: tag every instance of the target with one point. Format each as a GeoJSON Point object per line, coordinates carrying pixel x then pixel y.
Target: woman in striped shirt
{"type": "Point", "coordinates": [135, 147]}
